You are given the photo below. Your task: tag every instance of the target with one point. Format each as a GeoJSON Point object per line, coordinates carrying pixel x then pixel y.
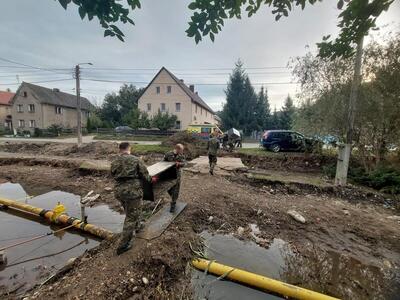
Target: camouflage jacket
{"type": "Point", "coordinates": [173, 157]}
{"type": "Point", "coordinates": [213, 146]}
{"type": "Point", "coordinates": [129, 171]}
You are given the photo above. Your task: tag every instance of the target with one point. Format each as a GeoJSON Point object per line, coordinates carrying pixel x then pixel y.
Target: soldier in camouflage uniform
{"type": "Point", "coordinates": [212, 147]}
{"type": "Point", "coordinates": [175, 156]}
{"type": "Point", "coordinates": [129, 172]}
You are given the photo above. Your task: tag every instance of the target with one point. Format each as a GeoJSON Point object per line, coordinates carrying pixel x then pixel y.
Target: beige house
{"type": "Point", "coordinates": [5, 109]}
{"type": "Point", "coordinates": [167, 93]}
{"type": "Point", "coordinates": [35, 106]}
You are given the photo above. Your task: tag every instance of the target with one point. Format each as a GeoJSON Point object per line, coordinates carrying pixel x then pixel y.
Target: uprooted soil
{"type": "Point", "coordinates": [357, 229]}
{"type": "Point", "coordinates": [94, 150]}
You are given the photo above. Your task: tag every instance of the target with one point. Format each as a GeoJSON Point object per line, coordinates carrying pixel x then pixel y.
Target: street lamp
{"type": "Point", "coordinates": [78, 102]}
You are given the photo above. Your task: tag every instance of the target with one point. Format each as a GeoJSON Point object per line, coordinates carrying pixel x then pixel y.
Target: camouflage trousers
{"type": "Point", "coordinates": [173, 191]}
{"type": "Point", "coordinates": [212, 160]}
{"type": "Point", "coordinates": [133, 211]}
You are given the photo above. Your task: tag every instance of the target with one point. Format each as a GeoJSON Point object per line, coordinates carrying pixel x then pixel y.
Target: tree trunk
{"type": "Point", "coordinates": [344, 157]}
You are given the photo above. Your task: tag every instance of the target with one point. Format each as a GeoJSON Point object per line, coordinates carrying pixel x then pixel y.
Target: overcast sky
{"type": "Point", "coordinates": [40, 33]}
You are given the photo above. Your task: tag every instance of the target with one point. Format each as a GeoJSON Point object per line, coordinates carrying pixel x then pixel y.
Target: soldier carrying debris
{"type": "Point", "coordinates": [129, 173]}
{"type": "Point", "coordinates": [176, 156]}
{"type": "Point", "coordinates": [212, 147]}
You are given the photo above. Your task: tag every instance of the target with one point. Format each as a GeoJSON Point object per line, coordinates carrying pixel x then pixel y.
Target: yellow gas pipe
{"type": "Point", "coordinates": [258, 281]}
{"type": "Point", "coordinates": [60, 218]}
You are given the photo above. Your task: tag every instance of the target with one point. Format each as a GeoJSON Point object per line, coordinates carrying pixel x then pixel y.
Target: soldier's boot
{"type": "Point", "coordinates": [172, 207]}
{"type": "Point", "coordinates": [212, 168]}
{"type": "Point", "coordinates": [123, 248]}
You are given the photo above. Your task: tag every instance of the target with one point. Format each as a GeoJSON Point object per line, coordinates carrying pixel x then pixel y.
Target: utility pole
{"type": "Point", "coordinates": [345, 150]}
{"type": "Point", "coordinates": [78, 102]}
{"type": "Point", "coordinates": [78, 105]}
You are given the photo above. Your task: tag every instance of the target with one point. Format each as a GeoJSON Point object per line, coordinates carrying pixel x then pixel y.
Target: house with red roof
{"type": "Point", "coordinates": [5, 109]}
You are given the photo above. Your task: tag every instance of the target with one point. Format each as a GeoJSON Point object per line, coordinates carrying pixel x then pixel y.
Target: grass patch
{"type": "Point", "coordinates": [258, 152]}
{"type": "Point", "coordinates": [152, 138]}
{"type": "Point", "coordinates": [143, 149]}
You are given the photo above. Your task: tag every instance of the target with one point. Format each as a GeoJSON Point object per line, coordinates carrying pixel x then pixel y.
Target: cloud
{"type": "Point", "coordinates": [42, 33]}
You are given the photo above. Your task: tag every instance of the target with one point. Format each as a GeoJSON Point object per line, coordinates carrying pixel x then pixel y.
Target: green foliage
{"type": "Point", "coordinates": [108, 12]}
{"type": "Point", "coordinates": [287, 114]}
{"type": "Point", "coordinates": [37, 132]}
{"type": "Point", "coordinates": [55, 129]}
{"type": "Point", "coordinates": [137, 119]}
{"type": "Point", "coordinates": [240, 109]}
{"type": "Point", "coordinates": [355, 21]}
{"type": "Point", "coordinates": [325, 92]}
{"type": "Point", "coordinates": [116, 107]}
{"type": "Point", "coordinates": [163, 120]}
{"type": "Point", "coordinates": [262, 111]}
{"type": "Point", "coordinates": [94, 122]}
{"type": "Point", "coordinates": [383, 178]}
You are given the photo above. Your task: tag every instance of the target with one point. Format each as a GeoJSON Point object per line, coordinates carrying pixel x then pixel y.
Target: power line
{"type": "Point", "coordinates": [25, 65]}
{"type": "Point", "coordinates": [168, 83]}
{"type": "Point", "coordinates": [182, 69]}
{"type": "Point", "coordinates": [30, 75]}
{"type": "Point", "coordinates": [45, 81]}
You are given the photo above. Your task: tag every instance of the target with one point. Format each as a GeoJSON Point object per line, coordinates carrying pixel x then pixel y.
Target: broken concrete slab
{"type": "Point", "coordinates": [225, 165]}
{"type": "Point", "coordinates": [3, 258]}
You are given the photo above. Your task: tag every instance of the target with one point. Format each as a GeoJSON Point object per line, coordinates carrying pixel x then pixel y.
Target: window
{"type": "Point", "coordinates": [148, 106]}
{"type": "Point", "coordinates": [177, 106]}
{"type": "Point", "coordinates": [178, 125]}
{"type": "Point", "coordinates": [59, 110]}
{"type": "Point", "coordinates": [25, 94]}
{"type": "Point", "coordinates": [21, 123]}
{"type": "Point", "coordinates": [169, 89]}
{"type": "Point", "coordinates": [32, 123]}
{"type": "Point", "coordinates": [162, 106]}
{"type": "Point", "coordinates": [31, 108]}
{"type": "Point", "coordinates": [205, 130]}
{"type": "Point", "coordinates": [157, 89]}
{"type": "Point", "coordinates": [20, 108]}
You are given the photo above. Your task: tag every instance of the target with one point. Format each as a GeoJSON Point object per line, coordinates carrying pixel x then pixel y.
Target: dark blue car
{"type": "Point", "coordinates": [284, 140]}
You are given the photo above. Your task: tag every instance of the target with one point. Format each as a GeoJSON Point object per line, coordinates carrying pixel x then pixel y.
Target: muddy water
{"type": "Point", "coordinates": [245, 255]}
{"type": "Point", "coordinates": [33, 262]}
{"type": "Point", "coordinates": [331, 273]}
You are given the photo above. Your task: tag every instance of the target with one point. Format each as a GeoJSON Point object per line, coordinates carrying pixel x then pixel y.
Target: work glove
{"type": "Point", "coordinates": [154, 179]}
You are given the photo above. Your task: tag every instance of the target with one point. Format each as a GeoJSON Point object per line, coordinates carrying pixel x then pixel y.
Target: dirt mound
{"type": "Point", "coordinates": [302, 162]}
{"type": "Point", "coordinates": [96, 150]}
{"type": "Point", "coordinates": [193, 145]}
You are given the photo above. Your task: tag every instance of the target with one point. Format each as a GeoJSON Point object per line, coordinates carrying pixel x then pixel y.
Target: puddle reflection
{"type": "Point", "coordinates": [35, 261]}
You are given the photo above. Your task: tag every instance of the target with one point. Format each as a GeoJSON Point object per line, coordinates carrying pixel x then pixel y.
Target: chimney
{"type": "Point", "coordinates": [56, 90]}
{"type": "Point", "coordinates": [181, 80]}
{"type": "Point", "coordinates": [191, 87]}
{"type": "Point", "coordinates": [196, 93]}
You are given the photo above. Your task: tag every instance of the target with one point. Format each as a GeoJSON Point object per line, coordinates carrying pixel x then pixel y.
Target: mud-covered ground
{"type": "Point", "coordinates": [361, 232]}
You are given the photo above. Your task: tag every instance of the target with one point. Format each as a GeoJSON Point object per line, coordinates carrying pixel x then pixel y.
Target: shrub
{"type": "Point", "coordinates": [55, 129]}
{"type": "Point", "coordinates": [37, 132]}
{"type": "Point", "coordinates": [385, 179]}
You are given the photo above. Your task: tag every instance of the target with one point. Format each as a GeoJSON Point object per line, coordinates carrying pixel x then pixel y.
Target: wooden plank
{"type": "Point", "coordinates": [159, 167]}
{"type": "Point", "coordinates": [160, 221]}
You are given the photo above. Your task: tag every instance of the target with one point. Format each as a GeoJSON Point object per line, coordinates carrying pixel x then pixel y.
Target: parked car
{"type": "Point", "coordinates": [287, 140]}
{"type": "Point", "coordinates": [123, 129]}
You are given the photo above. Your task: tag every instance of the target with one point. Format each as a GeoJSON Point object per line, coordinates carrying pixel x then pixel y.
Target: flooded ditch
{"type": "Point", "coordinates": [330, 273]}
{"type": "Point", "coordinates": [33, 262]}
